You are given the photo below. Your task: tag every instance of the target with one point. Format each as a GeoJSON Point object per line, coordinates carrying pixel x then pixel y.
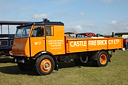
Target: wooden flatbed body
{"type": "Point", "coordinates": [92, 44]}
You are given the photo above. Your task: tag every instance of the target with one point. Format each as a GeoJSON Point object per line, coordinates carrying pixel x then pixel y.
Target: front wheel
{"type": "Point", "coordinates": [45, 65]}
{"type": "Point", "coordinates": [102, 59]}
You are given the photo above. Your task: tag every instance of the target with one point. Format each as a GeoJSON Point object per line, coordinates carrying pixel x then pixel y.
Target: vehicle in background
{"type": "Point", "coordinates": [85, 35]}
{"type": "Point", "coordinates": [69, 34]}
{"type": "Point", "coordinates": [122, 34]}
{"type": "Point", "coordinates": [99, 35]}
{"type": "Point", "coordinates": [6, 40]}
{"type": "Point", "coordinates": [125, 36]}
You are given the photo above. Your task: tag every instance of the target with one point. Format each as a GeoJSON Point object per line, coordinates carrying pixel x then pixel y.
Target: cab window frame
{"type": "Point", "coordinates": [22, 35]}
{"type": "Point", "coordinates": [51, 30]}
{"type": "Point", "coordinates": [38, 26]}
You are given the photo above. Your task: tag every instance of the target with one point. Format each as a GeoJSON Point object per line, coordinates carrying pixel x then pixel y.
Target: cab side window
{"type": "Point", "coordinates": [38, 32]}
{"type": "Point", "coordinates": [48, 30]}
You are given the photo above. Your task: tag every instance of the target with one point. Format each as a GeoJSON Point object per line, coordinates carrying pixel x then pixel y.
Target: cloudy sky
{"type": "Point", "coordinates": [98, 16]}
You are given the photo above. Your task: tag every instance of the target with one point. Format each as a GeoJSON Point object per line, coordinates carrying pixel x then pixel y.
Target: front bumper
{"type": "Point", "coordinates": [18, 55]}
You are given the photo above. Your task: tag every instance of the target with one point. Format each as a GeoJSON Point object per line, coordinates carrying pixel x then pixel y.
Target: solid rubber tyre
{"type": "Point", "coordinates": [102, 59]}
{"type": "Point", "coordinates": [45, 65]}
{"type": "Point", "coordinates": [81, 60]}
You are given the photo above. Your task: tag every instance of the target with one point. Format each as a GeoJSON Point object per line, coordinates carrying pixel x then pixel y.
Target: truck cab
{"type": "Point", "coordinates": [34, 38]}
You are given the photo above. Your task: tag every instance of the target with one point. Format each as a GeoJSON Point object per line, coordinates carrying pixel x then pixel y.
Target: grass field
{"type": "Point", "coordinates": [115, 73]}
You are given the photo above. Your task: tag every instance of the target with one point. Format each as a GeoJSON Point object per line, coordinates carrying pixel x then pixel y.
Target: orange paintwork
{"type": "Point", "coordinates": [58, 44]}
{"type": "Point", "coordinates": [45, 65]}
{"type": "Point", "coordinates": [93, 44]}
{"type": "Point", "coordinates": [54, 43]}
{"type": "Point", "coordinates": [21, 46]}
{"type": "Point", "coordinates": [37, 43]}
{"type": "Point", "coordinates": [103, 59]}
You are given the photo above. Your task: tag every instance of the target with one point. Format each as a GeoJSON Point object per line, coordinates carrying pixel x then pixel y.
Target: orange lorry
{"type": "Point", "coordinates": [43, 44]}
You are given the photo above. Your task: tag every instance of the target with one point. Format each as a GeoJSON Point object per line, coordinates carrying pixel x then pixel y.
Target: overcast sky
{"type": "Point", "coordinates": [98, 16]}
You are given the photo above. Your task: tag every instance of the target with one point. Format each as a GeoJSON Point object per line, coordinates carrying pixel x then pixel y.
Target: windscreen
{"type": "Point", "coordinates": [23, 32]}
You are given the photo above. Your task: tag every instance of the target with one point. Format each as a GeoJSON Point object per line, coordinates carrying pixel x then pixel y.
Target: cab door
{"type": "Point", "coordinates": [37, 40]}
{"type": "Point", "coordinates": [55, 39]}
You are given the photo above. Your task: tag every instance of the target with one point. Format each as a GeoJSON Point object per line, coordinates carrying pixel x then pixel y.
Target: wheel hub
{"type": "Point", "coordinates": [103, 59]}
{"type": "Point", "coordinates": [46, 65]}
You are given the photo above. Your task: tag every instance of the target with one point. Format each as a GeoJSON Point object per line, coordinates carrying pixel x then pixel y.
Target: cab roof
{"type": "Point", "coordinates": [45, 22]}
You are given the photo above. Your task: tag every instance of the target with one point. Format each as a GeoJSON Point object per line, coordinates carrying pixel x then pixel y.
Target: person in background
{"type": "Point", "coordinates": [125, 44]}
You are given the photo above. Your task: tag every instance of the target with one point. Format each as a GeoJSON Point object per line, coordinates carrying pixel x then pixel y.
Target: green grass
{"type": "Point", "coordinates": [115, 73]}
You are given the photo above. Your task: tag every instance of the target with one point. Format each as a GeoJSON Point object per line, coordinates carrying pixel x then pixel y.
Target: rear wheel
{"type": "Point", "coordinates": [83, 59]}
{"type": "Point", "coordinates": [102, 59]}
{"type": "Point", "coordinates": [45, 65]}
